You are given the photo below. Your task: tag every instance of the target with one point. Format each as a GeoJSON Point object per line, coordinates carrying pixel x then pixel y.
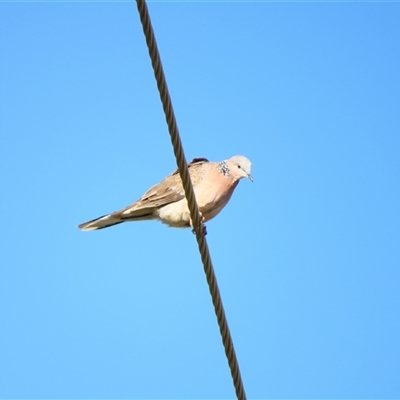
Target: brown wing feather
{"type": "Point", "coordinates": [168, 191]}
{"type": "Point", "coordinates": [199, 160]}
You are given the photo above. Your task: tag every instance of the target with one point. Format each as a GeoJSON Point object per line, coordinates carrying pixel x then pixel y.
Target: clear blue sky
{"type": "Point", "coordinates": [307, 257]}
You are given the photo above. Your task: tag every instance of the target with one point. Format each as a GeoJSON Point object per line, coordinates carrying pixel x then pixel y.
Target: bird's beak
{"type": "Point", "coordinates": [250, 177]}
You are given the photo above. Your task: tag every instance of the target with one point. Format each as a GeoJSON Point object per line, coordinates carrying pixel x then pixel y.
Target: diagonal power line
{"type": "Point", "coordinates": [190, 196]}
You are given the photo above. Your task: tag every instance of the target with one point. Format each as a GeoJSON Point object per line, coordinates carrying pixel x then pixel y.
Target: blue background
{"type": "Point", "coordinates": [307, 257]}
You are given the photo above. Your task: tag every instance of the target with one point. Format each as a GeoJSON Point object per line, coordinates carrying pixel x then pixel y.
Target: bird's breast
{"type": "Point", "coordinates": [213, 198]}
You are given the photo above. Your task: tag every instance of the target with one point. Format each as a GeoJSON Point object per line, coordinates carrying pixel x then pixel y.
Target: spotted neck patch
{"type": "Point", "coordinates": [223, 168]}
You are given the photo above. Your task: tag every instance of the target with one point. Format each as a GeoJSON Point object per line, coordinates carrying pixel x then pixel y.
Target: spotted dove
{"type": "Point", "coordinates": [213, 184]}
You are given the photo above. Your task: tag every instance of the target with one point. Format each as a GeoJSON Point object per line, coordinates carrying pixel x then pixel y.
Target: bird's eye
{"type": "Point", "coordinates": [239, 166]}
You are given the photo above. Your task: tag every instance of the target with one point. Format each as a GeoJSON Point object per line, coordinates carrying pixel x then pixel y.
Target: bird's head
{"type": "Point", "coordinates": [240, 167]}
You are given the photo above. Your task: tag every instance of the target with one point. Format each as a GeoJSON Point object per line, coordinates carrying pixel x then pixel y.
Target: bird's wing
{"type": "Point", "coordinates": [169, 190]}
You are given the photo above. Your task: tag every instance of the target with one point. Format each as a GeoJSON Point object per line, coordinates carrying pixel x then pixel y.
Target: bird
{"type": "Point", "coordinates": [213, 184]}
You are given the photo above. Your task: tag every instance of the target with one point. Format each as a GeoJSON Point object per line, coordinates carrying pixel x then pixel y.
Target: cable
{"type": "Point", "coordinates": [190, 196]}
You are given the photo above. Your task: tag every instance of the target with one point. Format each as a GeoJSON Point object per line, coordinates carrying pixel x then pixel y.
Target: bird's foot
{"type": "Point", "coordinates": [203, 230]}
{"type": "Point", "coordinates": [202, 226]}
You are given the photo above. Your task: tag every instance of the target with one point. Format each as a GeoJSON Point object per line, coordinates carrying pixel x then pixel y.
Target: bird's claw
{"type": "Point", "coordinates": [203, 230]}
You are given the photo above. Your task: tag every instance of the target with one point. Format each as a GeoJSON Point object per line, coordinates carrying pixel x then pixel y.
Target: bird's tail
{"type": "Point", "coordinates": [102, 222]}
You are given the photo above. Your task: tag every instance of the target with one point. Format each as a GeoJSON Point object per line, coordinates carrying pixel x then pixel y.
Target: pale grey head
{"type": "Point", "coordinates": [240, 166]}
